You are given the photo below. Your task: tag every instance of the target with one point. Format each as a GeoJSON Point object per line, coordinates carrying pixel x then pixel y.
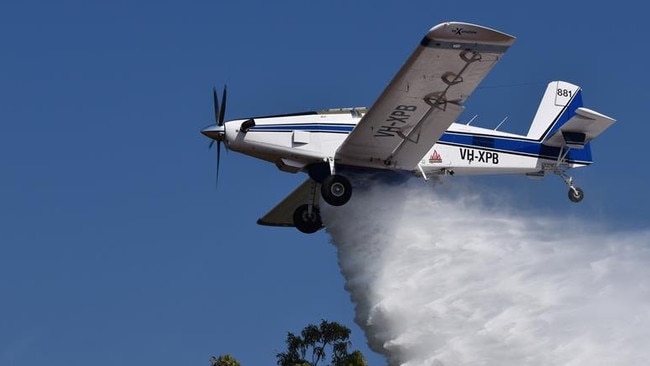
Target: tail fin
{"type": "Point", "coordinates": [558, 105]}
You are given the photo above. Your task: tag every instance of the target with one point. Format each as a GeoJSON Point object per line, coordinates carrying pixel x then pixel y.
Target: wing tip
{"type": "Point", "coordinates": [262, 222]}
{"type": "Point", "coordinates": [468, 32]}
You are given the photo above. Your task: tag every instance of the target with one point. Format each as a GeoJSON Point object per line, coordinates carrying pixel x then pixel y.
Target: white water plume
{"type": "Point", "coordinates": [449, 279]}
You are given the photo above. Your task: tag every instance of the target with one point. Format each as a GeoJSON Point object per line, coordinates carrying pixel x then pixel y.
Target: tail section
{"type": "Point", "coordinates": [562, 121]}
{"type": "Point", "coordinates": [563, 124]}
{"type": "Point", "coordinates": [565, 129]}
{"type": "Point", "coordinates": [558, 105]}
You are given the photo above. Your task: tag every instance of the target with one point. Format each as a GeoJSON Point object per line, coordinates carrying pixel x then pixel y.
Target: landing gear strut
{"type": "Point", "coordinates": [575, 193]}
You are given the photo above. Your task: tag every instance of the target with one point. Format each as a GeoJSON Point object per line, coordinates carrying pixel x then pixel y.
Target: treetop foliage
{"type": "Point", "coordinates": [314, 342]}
{"type": "Point", "coordinates": [224, 360]}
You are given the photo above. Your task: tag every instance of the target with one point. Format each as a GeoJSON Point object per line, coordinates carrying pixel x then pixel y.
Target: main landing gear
{"type": "Point", "coordinates": [335, 189]}
{"type": "Point", "coordinates": [306, 217]}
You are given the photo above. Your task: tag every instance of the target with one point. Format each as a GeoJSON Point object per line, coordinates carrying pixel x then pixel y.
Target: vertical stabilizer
{"type": "Point", "coordinates": [558, 104]}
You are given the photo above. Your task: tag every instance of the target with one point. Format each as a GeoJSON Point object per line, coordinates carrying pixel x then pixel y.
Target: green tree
{"type": "Point", "coordinates": [224, 360]}
{"type": "Point", "coordinates": [353, 359]}
{"type": "Point", "coordinates": [314, 342]}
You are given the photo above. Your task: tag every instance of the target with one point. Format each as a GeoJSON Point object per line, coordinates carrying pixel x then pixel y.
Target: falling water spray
{"type": "Point", "coordinates": [457, 279]}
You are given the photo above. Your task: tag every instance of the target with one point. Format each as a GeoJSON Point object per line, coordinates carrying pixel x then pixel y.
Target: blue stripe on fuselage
{"type": "Point", "coordinates": [523, 146]}
{"type": "Point", "coordinates": [310, 127]}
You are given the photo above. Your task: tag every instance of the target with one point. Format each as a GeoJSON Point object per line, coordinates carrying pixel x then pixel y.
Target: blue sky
{"type": "Point", "coordinates": [115, 246]}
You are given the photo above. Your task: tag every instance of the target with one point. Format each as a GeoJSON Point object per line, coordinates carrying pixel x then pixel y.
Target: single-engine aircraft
{"type": "Point", "coordinates": [412, 128]}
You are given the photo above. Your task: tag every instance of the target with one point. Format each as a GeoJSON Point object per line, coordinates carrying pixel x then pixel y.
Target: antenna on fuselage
{"type": "Point", "coordinates": [499, 125]}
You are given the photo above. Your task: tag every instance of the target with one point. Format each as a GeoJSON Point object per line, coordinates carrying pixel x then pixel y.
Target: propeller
{"type": "Point", "coordinates": [217, 134]}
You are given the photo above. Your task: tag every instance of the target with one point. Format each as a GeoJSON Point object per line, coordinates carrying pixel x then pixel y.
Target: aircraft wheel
{"type": "Point", "coordinates": [576, 194]}
{"type": "Point", "coordinates": [305, 222]}
{"type": "Point", "coordinates": [336, 190]}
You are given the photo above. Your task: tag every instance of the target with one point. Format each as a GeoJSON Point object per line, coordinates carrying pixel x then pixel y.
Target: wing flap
{"type": "Point", "coordinates": [583, 127]}
{"type": "Point", "coordinates": [282, 213]}
{"type": "Point", "coordinates": [425, 96]}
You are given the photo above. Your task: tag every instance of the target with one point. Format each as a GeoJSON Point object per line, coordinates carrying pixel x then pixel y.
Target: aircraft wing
{"type": "Point", "coordinates": [425, 96]}
{"type": "Point", "coordinates": [282, 213]}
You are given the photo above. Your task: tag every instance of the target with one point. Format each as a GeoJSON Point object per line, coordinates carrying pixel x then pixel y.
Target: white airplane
{"type": "Point", "coordinates": [411, 129]}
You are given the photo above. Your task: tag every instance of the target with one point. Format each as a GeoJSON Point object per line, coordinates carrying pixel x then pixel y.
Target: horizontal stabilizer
{"type": "Point", "coordinates": [282, 214]}
{"type": "Point", "coordinates": [585, 126]}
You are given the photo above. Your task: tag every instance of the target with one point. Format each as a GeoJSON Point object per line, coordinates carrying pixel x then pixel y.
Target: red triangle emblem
{"type": "Point", "coordinates": [435, 157]}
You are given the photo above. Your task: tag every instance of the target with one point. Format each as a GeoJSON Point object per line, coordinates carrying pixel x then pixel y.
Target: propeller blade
{"type": "Point", "coordinates": [215, 103]}
{"type": "Point", "coordinates": [219, 114]}
{"type": "Point", "coordinates": [222, 112]}
{"type": "Point", "coordinates": [218, 162]}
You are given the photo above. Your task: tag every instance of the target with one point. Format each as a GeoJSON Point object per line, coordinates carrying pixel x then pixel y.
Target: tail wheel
{"type": "Point", "coordinates": [336, 190]}
{"type": "Point", "coordinates": [575, 194]}
{"type": "Point", "coordinates": [307, 222]}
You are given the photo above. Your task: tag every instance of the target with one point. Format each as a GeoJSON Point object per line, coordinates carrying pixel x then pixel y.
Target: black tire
{"type": "Point", "coordinates": [336, 190]}
{"type": "Point", "coordinates": [576, 194]}
{"type": "Point", "coordinates": [305, 222]}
